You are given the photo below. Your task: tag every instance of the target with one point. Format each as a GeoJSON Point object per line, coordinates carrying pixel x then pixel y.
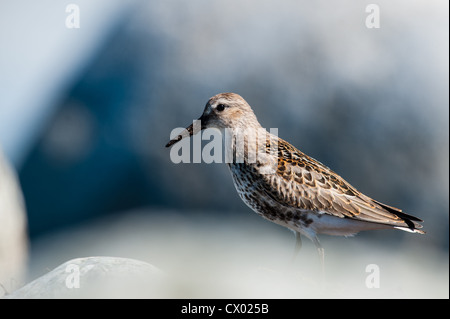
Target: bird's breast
{"type": "Point", "coordinates": [248, 186]}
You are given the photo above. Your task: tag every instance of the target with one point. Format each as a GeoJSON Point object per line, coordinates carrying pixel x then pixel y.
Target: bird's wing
{"type": "Point", "coordinates": [301, 181]}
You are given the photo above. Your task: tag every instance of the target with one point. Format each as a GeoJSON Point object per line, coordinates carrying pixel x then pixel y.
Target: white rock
{"type": "Point", "coordinates": [13, 237]}
{"type": "Point", "coordinates": [96, 277]}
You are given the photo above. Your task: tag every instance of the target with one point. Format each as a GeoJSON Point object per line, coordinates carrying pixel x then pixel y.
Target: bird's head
{"type": "Point", "coordinates": [224, 110]}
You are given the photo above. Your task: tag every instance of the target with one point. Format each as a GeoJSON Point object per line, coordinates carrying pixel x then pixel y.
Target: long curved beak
{"type": "Point", "coordinates": [192, 129]}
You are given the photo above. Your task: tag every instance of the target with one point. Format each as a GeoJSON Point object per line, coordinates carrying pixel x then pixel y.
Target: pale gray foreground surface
{"type": "Point", "coordinates": [106, 277]}
{"type": "Point", "coordinates": [13, 239]}
{"type": "Point", "coordinates": [204, 256]}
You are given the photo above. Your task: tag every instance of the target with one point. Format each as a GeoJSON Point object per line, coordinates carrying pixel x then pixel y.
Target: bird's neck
{"type": "Point", "coordinates": [246, 145]}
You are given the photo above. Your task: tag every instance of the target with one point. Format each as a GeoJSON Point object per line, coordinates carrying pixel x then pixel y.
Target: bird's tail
{"type": "Point", "coordinates": [412, 222]}
{"type": "Point", "coordinates": [415, 230]}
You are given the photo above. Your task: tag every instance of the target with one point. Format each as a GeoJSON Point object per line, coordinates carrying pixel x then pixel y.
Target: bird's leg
{"type": "Point", "coordinates": [298, 245]}
{"type": "Point", "coordinates": [321, 252]}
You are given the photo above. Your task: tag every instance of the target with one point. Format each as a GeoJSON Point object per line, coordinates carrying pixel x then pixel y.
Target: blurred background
{"type": "Point", "coordinates": [85, 114]}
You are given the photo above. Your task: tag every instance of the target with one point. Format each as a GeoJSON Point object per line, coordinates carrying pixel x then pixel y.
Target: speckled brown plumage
{"type": "Point", "coordinates": [292, 189]}
{"type": "Point", "coordinates": [306, 184]}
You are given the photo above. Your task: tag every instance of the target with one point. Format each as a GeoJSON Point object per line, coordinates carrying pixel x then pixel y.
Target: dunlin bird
{"type": "Point", "coordinates": [292, 189]}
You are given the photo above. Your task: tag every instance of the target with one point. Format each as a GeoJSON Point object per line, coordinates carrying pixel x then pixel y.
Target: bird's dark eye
{"type": "Point", "coordinates": [220, 107]}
